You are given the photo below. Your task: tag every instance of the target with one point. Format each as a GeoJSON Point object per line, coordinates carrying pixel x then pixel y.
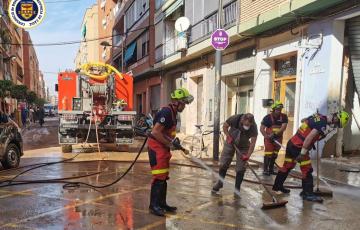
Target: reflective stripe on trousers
{"type": "Point", "coordinates": [159, 171]}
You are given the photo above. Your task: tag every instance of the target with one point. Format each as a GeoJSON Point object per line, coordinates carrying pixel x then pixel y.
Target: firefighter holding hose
{"type": "Point", "coordinates": [161, 141]}
{"type": "Point", "coordinates": [312, 129]}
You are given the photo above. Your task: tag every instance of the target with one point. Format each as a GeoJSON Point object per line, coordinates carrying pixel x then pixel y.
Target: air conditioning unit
{"type": "Point", "coordinates": [181, 44]}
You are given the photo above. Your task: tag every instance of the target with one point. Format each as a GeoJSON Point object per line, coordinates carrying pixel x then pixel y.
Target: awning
{"type": "Point", "coordinates": [130, 51]}
{"type": "Point", "coordinates": [171, 9]}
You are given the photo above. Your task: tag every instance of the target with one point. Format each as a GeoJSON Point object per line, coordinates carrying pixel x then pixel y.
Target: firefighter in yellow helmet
{"type": "Point", "coordinates": [312, 129]}
{"type": "Point", "coordinates": [272, 128]}
{"type": "Point", "coordinates": [162, 140]}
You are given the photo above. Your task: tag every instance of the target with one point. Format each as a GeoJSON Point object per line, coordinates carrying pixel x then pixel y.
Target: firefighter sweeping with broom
{"type": "Point", "coordinates": [272, 128]}
{"type": "Point", "coordinates": [312, 129]}
{"type": "Point", "coordinates": [161, 140]}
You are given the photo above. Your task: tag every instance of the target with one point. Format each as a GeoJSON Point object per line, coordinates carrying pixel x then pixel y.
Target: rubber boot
{"type": "Point", "coordinates": [238, 180]}
{"type": "Point", "coordinates": [155, 197]}
{"type": "Point", "coordinates": [278, 187]}
{"type": "Point", "coordinates": [163, 203]}
{"type": "Point", "coordinates": [219, 183]}
{"type": "Point", "coordinates": [308, 190]}
{"type": "Point", "coordinates": [272, 164]}
{"type": "Point", "coordinates": [266, 166]}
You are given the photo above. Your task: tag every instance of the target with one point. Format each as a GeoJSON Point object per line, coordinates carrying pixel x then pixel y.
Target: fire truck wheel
{"type": "Point", "coordinates": [66, 148]}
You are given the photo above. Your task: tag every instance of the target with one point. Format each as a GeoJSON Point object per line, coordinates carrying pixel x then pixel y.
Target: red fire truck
{"type": "Point", "coordinates": [95, 105]}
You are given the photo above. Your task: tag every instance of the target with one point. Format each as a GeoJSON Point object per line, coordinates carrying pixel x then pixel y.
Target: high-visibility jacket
{"type": "Point", "coordinates": [316, 121]}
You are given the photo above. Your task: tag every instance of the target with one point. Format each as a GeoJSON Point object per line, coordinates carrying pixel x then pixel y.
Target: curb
{"type": "Point", "coordinates": [339, 163]}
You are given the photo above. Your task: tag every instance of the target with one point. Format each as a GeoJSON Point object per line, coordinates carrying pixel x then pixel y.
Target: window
{"type": "Point", "coordinates": [210, 24]}
{"type": "Point", "coordinates": [135, 12]}
{"type": "Point", "coordinates": [117, 37]}
{"type": "Point", "coordinates": [130, 16]}
{"type": "Point", "coordinates": [245, 53]}
{"type": "Point", "coordinates": [159, 3]}
{"type": "Point", "coordinates": [285, 67]}
{"type": "Point", "coordinates": [145, 44]}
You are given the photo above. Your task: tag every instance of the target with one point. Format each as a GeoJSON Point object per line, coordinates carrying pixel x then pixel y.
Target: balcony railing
{"type": "Point", "coordinates": [170, 47]}
{"type": "Point", "coordinates": [159, 54]}
{"type": "Point", "coordinates": [231, 13]}
{"type": "Point", "coordinates": [210, 24]}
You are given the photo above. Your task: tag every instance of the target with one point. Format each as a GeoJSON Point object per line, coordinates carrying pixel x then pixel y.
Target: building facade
{"type": "Point", "coordinates": [107, 11]}
{"type": "Point", "coordinates": [89, 48]}
{"type": "Point", "coordinates": [134, 52]}
{"type": "Point", "coordinates": [281, 50]}
{"type": "Point", "coordinates": [272, 55]}
{"type": "Point", "coordinates": [31, 65]}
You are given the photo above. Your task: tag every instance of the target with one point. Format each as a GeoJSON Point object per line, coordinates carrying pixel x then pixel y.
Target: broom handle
{"type": "Point", "coordinates": [317, 162]}
{"type": "Point", "coordinates": [317, 166]}
{"type": "Point", "coordinates": [257, 177]}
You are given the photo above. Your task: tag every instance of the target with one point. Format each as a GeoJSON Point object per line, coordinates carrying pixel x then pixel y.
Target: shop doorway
{"type": "Point", "coordinates": [284, 89]}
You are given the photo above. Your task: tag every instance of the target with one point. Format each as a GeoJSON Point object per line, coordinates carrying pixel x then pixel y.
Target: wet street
{"type": "Point", "coordinates": [125, 204]}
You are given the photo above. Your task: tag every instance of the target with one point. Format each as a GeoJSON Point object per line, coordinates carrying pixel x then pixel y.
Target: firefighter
{"type": "Point", "coordinates": [239, 129]}
{"type": "Point", "coordinates": [312, 129]}
{"type": "Point", "coordinates": [272, 128]}
{"type": "Point", "coordinates": [162, 140]}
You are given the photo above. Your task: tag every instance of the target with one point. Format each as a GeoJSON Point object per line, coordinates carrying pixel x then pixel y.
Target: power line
{"type": "Point", "coordinates": [76, 42]}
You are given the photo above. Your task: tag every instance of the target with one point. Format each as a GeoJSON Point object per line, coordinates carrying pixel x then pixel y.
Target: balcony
{"type": "Point", "coordinates": [170, 47]}
{"type": "Point", "coordinates": [204, 28]}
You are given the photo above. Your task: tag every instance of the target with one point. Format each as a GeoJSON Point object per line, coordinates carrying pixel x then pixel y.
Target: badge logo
{"type": "Point", "coordinates": [162, 120]}
{"type": "Point", "coordinates": [26, 13]}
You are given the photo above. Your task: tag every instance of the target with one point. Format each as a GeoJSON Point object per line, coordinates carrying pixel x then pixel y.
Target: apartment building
{"type": "Point", "coordinates": [89, 49]}
{"type": "Point", "coordinates": [134, 51]}
{"type": "Point", "coordinates": [31, 64]}
{"type": "Point", "coordinates": [281, 50]}
{"type": "Point", "coordinates": [107, 11]}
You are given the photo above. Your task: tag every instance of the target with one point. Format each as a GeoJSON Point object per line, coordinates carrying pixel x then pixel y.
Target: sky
{"type": "Point", "coordinates": [62, 22]}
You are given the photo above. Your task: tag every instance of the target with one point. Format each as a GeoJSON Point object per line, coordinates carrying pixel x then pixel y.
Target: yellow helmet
{"type": "Point", "coordinates": [277, 105]}
{"type": "Point", "coordinates": [183, 95]}
{"type": "Point", "coordinates": [343, 118]}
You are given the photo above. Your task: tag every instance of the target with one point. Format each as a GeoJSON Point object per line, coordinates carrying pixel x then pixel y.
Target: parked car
{"type": "Point", "coordinates": [49, 110]}
{"type": "Point", "coordinates": [11, 145]}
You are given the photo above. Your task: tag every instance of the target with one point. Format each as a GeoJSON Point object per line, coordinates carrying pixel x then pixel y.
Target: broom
{"type": "Point", "coordinates": [266, 205]}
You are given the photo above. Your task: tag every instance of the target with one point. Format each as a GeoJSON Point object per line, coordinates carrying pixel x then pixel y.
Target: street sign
{"type": "Point", "coordinates": [220, 39]}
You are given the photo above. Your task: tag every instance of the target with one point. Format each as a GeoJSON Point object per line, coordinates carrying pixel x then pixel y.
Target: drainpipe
{"type": "Point", "coordinates": [298, 88]}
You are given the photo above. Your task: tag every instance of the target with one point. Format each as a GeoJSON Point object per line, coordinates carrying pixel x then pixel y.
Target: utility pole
{"type": "Point", "coordinates": [217, 99]}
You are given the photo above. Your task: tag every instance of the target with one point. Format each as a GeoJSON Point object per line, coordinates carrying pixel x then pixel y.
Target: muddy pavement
{"type": "Point", "coordinates": [125, 205]}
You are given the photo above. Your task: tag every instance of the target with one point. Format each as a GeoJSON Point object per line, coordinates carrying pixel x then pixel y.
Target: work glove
{"type": "Point", "coordinates": [273, 137]}
{"type": "Point", "coordinates": [302, 154]}
{"type": "Point", "coordinates": [300, 158]}
{"type": "Point", "coordinates": [245, 157]}
{"type": "Point", "coordinates": [175, 144]}
{"type": "Point", "coordinates": [229, 140]}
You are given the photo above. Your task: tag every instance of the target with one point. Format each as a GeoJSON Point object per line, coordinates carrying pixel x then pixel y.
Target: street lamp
{"type": "Point", "coordinates": [107, 44]}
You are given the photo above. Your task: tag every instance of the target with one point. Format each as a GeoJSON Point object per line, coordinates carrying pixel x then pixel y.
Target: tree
{"type": "Point", "coordinates": [31, 97]}
{"type": "Point", "coordinates": [5, 88]}
{"type": "Point", "coordinates": [19, 92]}
{"type": "Point", "coordinates": [40, 101]}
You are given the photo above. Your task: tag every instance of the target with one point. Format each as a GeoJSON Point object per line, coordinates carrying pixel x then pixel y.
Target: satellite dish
{"type": "Point", "coordinates": [182, 24]}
